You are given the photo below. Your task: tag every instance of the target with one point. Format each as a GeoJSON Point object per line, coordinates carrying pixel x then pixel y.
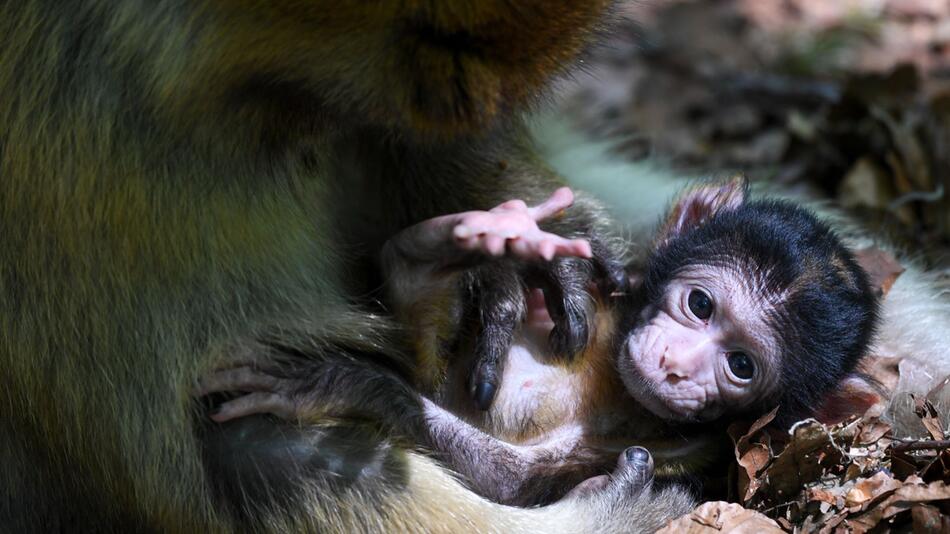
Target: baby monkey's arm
{"type": "Point", "coordinates": [415, 254]}
{"type": "Point", "coordinates": [440, 271]}
{"type": "Point", "coordinates": [415, 257]}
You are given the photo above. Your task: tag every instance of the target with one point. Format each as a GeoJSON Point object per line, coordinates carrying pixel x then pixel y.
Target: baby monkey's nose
{"type": "Point", "coordinates": [682, 359]}
{"type": "Point", "coordinates": [676, 366]}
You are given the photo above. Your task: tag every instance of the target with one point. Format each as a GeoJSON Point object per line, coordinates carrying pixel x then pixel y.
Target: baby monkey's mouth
{"type": "Point", "coordinates": [661, 398]}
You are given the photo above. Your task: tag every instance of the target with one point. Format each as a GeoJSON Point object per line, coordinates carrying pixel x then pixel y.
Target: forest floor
{"type": "Point", "coordinates": [848, 100]}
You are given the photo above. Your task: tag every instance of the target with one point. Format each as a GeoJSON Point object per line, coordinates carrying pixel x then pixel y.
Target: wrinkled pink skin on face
{"type": "Point", "coordinates": [679, 363]}
{"type": "Point", "coordinates": [676, 365]}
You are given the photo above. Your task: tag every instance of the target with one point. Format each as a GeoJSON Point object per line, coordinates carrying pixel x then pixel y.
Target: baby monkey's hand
{"type": "Point", "coordinates": [461, 240]}
{"type": "Point", "coordinates": [560, 285]}
{"type": "Point", "coordinates": [512, 228]}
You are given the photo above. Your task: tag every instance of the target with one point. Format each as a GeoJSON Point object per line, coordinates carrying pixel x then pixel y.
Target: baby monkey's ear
{"type": "Point", "coordinates": [855, 395]}
{"type": "Point", "coordinates": [700, 203]}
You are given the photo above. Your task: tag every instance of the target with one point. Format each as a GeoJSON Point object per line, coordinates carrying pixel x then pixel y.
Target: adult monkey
{"type": "Point", "coordinates": [183, 179]}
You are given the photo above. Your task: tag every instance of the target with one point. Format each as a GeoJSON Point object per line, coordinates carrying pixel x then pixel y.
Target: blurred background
{"type": "Point", "coordinates": [848, 99]}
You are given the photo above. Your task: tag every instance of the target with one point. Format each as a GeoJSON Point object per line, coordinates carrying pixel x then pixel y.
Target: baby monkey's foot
{"type": "Point", "coordinates": [512, 228]}
{"type": "Point", "coordinates": [634, 474]}
{"type": "Point", "coordinates": [261, 387]}
{"type": "Point", "coordinates": [311, 389]}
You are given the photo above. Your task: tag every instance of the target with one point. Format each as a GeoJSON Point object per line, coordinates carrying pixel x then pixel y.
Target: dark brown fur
{"type": "Point", "coordinates": [179, 178]}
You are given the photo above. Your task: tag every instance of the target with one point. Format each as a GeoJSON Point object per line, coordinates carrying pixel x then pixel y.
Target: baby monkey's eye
{"type": "Point", "coordinates": [740, 364]}
{"type": "Point", "coordinates": [700, 304]}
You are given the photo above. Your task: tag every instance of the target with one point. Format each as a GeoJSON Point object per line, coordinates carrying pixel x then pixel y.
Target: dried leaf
{"type": "Point", "coordinates": [881, 266]}
{"type": "Point", "coordinates": [902, 465]}
{"type": "Point", "coordinates": [938, 469]}
{"type": "Point", "coordinates": [871, 432]}
{"type": "Point", "coordinates": [915, 493]}
{"type": "Point", "coordinates": [803, 460]}
{"type": "Point", "coordinates": [927, 520]}
{"type": "Point", "coordinates": [751, 457]}
{"type": "Point", "coordinates": [868, 489]}
{"type": "Point", "coordinates": [928, 416]}
{"type": "Point", "coordinates": [903, 499]}
{"type": "Point", "coordinates": [718, 516]}
{"type": "Point", "coordinates": [866, 184]}
{"type": "Point", "coordinates": [852, 473]}
{"type": "Point", "coordinates": [822, 495]}
{"type": "Point", "coordinates": [831, 523]}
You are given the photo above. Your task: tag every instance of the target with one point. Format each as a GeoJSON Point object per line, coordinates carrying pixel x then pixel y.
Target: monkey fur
{"type": "Point", "coordinates": [189, 182]}
{"type": "Point", "coordinates": [786, 302]}
{"type": "Point", "coordinates": [181, 179]}
{"type": "Point", "coordinates": [559, 422]}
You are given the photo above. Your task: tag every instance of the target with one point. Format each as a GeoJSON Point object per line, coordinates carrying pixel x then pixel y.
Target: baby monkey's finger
{"type": "Point", "coordinates": [546, 246]}
{"type": "Point", "coordinates": [485, 379]}
{"type": "Point", "coordinates": [578, 248]}
{"type": "Point", "coordinates": [521, 249]}
{"type": "Point", "coordinates": [510, 205]}
{"type": "Point", "coordinates": [493, 244]}
{"type": "Point", "coordinates": [558, 201]}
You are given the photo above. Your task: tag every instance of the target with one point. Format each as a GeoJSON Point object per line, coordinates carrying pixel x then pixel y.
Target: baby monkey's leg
{"type": "Point", "coordinates": [523, 474]}
{"type": "Point", "coordinates": [498, 470]}
{"type": "Point", "coordinates": [313, 389]}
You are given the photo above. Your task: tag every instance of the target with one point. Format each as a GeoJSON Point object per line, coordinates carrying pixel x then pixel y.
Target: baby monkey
{"type": "Point", "coordinates": [740, 306]}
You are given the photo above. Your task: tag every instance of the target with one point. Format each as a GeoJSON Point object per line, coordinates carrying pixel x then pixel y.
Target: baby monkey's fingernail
{"type": "Point", "coordinates": [638, 455]}
{"type": "Point", "coordinates": [461, 231]}
{"type": "Point", "coordinates": [484, 394]}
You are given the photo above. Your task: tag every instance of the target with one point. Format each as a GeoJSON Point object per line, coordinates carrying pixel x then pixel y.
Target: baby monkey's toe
{"type": "Point", "coordinates": [633, 475]}
{"type": "Point", "coordinates": [634, 472]}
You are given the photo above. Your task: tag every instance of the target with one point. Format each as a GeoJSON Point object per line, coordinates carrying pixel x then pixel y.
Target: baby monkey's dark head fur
{"type": "Point", "coordinates": [805, 288]}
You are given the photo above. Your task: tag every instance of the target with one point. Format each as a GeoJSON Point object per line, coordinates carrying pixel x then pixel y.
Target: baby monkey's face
{"type": "Point", "coordinates": [745, 306]}
{"type": "Point", "coordinates": [704, 348]}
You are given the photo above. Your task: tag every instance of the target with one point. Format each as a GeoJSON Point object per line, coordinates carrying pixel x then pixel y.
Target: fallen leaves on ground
{"type": "Point", "coordinates": [718, 516]}
{"type": "Point", "coordinates": [849, 99]}
{"type": "Point", "coordinates": [849, 477]}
